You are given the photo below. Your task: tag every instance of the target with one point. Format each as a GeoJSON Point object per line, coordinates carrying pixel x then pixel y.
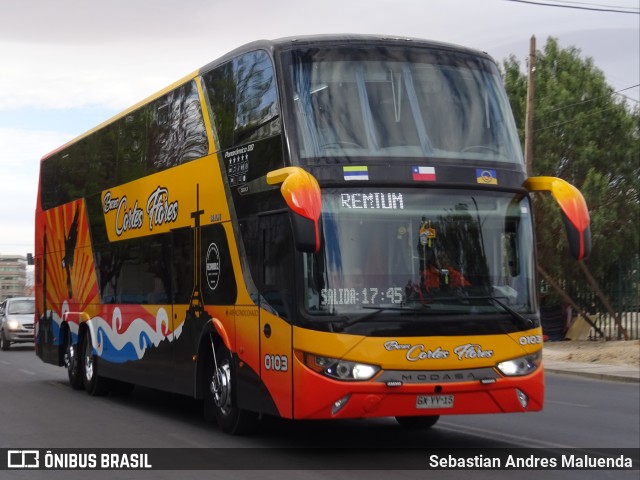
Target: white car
{"type": "Point", "coordinates": [16, 321]}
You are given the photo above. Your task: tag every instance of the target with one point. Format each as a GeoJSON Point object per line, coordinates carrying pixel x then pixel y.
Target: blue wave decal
{"type": "Point", "coordinates": [117, 346]}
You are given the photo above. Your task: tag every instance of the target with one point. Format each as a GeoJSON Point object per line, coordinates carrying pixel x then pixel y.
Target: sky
{"type": "Point", "coordinates": [68, 65]}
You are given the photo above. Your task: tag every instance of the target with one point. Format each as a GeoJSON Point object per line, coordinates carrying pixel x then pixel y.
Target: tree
{"type": "Point", "coordinates": [588, 136]}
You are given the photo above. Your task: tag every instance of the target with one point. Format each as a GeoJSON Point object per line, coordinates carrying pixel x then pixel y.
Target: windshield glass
{"type": "Point", "coordinates": [433, 251]}
{"type": "Point", "coordinates": [354, 101]}
{"type": "Point", "coordinates": [21, 307]}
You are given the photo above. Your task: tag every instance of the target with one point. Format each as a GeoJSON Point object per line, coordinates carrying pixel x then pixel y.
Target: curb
{"type": "Point", "coordinates": [624, 377]}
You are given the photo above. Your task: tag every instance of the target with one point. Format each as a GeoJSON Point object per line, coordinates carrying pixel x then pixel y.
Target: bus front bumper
{"type": "Point", "coordinates": [319, 397]}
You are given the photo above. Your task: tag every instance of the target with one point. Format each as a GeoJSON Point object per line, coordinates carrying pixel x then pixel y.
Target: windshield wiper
{"type": "Point", "coordinates": [519, 319]}
{"type": "Point", "coordinates": [346, 323]}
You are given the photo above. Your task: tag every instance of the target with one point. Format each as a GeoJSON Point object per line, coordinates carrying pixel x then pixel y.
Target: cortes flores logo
{"type": "Point", "coordinates": [414, 353]}
{"type": "Point", "coordinates": [160, 210]}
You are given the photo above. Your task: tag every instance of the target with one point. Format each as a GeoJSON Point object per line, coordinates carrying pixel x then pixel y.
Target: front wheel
{"type": "Point", "coordinates": [4, 343]}
{"type": "Point", "coordinates": [418, 422]}
{"type": "Point", "coordinates": [219, 395]}
{"type": "Point", "coordinates": [93, 383]}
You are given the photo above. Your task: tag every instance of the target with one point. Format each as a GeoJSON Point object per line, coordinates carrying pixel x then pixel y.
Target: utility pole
{"type": "Point", "coordinates": [528, 129]}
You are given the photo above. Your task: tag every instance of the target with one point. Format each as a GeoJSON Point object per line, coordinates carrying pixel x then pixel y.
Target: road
{"type": "Point", "coordinates": [39, 410]}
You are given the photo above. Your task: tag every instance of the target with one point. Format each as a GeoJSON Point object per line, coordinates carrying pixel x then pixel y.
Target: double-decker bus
{"type": "Point", "coordinates": [323, 227]}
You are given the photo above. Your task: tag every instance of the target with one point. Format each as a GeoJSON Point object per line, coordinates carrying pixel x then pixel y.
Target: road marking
{"type": "Point", "coordinates": [568, 404]}
{"type": "Point", "coordinates": [484, 433]}
{"type": "Point", "coordinates": [4, 362]}
{"type": "Point", "coordinates": [28, 372]}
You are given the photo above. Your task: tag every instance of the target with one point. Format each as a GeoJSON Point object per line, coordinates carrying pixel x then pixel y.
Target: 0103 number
{"type": "Point", "coordinates": [278, 363]}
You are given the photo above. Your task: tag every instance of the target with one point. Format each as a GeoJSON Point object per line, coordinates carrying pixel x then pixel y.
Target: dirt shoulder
{"type": "Point", "coordinates": [618, 352]}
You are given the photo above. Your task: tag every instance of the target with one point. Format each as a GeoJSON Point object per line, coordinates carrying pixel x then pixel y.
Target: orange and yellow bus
{"type": "Point", "coordinates": [322, 227]}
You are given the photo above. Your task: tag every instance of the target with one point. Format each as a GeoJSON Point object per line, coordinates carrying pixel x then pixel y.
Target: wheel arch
{"type": "Point", "coordinates": [213, 328]}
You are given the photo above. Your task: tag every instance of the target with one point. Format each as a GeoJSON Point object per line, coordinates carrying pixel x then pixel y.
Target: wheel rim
{"type": "Point", "coordinates": [69, 356]}
{"type": "Point", "coordinates": [70, 360]}
{"type": "Point", "coordinates": [88, 362]}
{"type": "Point", "coordinates": [220, 388]}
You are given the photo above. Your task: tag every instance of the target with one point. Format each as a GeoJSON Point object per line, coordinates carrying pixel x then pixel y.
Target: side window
{"type": "Point", "coordinates": [257, 111]}
{"type": "Point", "coordinates": [135, 271]}
{"type": "Point", "coordinates": [275, 271]}
{"type": "Point", "coordinates": [176, 129]}
{"type": "Point", "coordinates": [160, 135]}
{"type": "Point", "coordinates": [217, 280]}
{"type": "Point", "coordinates": [132, 146]}
{"type": "Point", "coordinates": [243, 100]}
{"type": "Point", "coordinates": [103, 158]}
{"type": "Point", "coordinates": [221, 90]}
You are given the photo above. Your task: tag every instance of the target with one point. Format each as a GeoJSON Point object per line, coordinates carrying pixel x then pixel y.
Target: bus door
{"type": "Point", "coordinates": [277, 294]}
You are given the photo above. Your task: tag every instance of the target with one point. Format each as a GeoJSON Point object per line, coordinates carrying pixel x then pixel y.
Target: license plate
{"type": "Point", "coordinates": [434, 401]}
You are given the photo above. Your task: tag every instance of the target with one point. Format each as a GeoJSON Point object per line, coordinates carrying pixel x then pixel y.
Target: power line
{"type": "Point", "coordinates": [591, 100]}
{"type": "Point", "coordinates": [575, 119]}
{"type": "Point", "coordinates": [627, 97]}
{"type": "Point", "coordinates": [576, 7]}
{"type": "Point", "coordinates": [596, 4]}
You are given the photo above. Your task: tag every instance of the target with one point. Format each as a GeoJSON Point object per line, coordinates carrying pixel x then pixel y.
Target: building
{"type": "Point", "coordinates": [13, 276]}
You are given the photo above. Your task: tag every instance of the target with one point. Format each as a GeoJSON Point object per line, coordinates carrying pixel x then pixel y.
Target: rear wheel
{"type": "Point", "coordinates": [418, 422]}
{"type": "Point", "coordinates": [72, 363]}
{"type": "Point", "coordinates": [93, 383]}
{"type": "Point", "coordinates": [219, 395]}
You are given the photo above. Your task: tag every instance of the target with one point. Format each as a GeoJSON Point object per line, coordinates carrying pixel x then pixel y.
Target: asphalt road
{"type": "Point", "coordinates": [39, 410]}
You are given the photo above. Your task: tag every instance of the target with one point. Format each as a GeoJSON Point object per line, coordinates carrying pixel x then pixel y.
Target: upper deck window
{"type": "Point", "coordinates": [243, 100]}
{"type": "Point", "coordinates": [355, 101]}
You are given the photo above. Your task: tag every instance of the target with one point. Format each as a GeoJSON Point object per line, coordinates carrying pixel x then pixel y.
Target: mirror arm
{"type": "Point", "coordinates": [575, 213]}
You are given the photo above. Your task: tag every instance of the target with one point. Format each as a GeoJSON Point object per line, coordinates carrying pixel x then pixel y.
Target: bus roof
{"type": "Point", "coordinates": [275, 45]}
{"type": "Point", "coordinates": [285, 43]}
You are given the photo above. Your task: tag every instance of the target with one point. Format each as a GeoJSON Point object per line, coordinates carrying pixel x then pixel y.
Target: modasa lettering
{"type": "Point", "coordinates": [159, 209]}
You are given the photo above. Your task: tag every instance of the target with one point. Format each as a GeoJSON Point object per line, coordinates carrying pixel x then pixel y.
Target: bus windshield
{"type": "Point", "coordinates": [439, 252]}
{"type": "Point", "coordinates": [352, 101]}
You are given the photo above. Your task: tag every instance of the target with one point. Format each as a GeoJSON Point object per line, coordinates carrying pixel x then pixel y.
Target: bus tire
{"type": "Point", "coordinates": [418, 422]}
{"type": "Point", "coordinates": [219, 395]}
{"type": "Point", "coordinates": [93, 383]}
{"type": "Point", "coordinates": [73, 363]}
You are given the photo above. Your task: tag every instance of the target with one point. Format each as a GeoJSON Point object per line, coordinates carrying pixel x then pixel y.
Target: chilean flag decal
{"type": "Point", "coordinates": [424, 174]}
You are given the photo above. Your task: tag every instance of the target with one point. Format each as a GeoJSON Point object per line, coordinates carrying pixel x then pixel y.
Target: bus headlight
{"type": "Point", "coordinates": [521, 365]}
{"type": "Point", "coordinates": [340, 369]}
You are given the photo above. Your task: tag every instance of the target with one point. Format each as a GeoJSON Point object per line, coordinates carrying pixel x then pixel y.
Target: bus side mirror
{"type": "Point", "coordinates": [575, 214]}
{"type": "Point", "coordinates": [301, 192]}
